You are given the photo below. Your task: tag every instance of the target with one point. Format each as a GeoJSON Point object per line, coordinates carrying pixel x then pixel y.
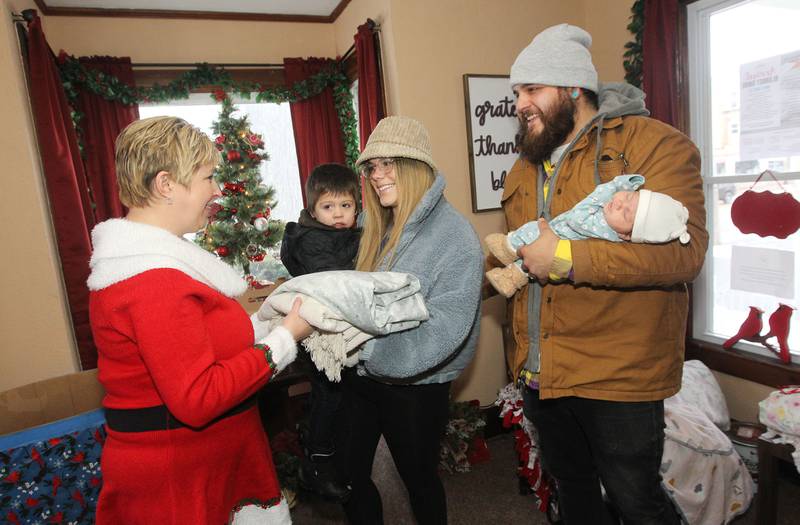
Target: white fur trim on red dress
{"type": "Point", "coordinates": [123, 249]}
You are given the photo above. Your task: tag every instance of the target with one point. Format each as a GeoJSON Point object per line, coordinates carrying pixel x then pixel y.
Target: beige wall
{"type": "Point", "coordinates": [152, 40]}
{"type": "Point", "coordinates": [36, 339]}
{"type": "Point", "coordinates": [427, 47]}
{"type": "Point", "coordinates": [742, 396]}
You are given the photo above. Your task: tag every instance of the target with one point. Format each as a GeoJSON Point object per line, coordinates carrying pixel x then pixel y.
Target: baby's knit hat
{"type": "Point", "coordinates": [659, 218]}
{"type": "Point", "coordinates": [401, 137]}
{"type": "Point", "coordinates": [558, 56]}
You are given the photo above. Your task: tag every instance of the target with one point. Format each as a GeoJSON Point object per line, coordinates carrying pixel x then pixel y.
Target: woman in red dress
{"type": "Point", "coordinates": [178, 357]}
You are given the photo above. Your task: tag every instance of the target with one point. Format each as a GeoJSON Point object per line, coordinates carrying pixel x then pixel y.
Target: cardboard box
{"type": "Point", "coordinates": [252, 299]}
{"type": "Point", "coordinates": [49, 400]}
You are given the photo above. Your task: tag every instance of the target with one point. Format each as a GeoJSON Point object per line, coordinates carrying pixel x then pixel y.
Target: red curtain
{"type": "Point", "coordinates": [66, 183]}
{"type": "Point", "coordinates": [659, 55]}
{"type": "Point", "coordinates": [101, 123]}
{"type": "Point", "coordinates": [317, 131]}
{"type": "Point", "coordinates": [370, 91]}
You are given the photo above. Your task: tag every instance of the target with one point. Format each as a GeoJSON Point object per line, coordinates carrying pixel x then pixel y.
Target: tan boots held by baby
{"type": "Point", "coordinates": [511, 278]}
{"type": "Point", "coordinates": [500, 247]}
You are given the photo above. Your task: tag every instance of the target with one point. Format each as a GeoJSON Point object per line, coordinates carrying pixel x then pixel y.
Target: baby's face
{"type": "Point", "coordinates": [337, 210]}
{"type": "Point", "coordinates": [620, 212]}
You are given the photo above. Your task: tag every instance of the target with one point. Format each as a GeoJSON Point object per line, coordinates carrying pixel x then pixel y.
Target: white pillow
{"type": "Point", "coordinates": [701, 390]}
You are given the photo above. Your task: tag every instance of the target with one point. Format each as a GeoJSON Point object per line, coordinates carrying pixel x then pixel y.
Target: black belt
{"type": "Point", "coordinates": [159, 417]}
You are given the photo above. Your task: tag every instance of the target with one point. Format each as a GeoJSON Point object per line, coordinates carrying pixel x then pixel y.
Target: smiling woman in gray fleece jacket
{"type": "Point", "coordinates": [401, 386]}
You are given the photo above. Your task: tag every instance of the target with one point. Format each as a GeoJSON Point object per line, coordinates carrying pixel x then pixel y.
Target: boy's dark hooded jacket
{"type": "Point", "coordinates": [309, 246]}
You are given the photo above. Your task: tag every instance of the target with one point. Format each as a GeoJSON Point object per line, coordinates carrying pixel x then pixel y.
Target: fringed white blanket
{"type": "Point", "coordinates": [347, 308]}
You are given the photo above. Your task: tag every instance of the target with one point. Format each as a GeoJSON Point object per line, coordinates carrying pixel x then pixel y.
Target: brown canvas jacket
{"type": "Point", "coordinates": [617, 332]}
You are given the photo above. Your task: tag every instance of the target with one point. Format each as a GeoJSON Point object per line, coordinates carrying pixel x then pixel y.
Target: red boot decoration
{"type": "Point", "coordinates": [750, 329]}
{"type": "Point", "coordinates": [779, 328]}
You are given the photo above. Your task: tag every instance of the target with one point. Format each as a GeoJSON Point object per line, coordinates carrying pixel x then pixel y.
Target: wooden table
{"type": "Point", "coordinates": [767, 497]}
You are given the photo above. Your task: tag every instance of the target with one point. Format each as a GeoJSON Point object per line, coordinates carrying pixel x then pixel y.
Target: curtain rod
{"type": "Point", "coordinates": [26, 15]}
{"type": "Point", "coordinates": [373, 26]}
{"type": "Point", "coordinates": [347, 53]}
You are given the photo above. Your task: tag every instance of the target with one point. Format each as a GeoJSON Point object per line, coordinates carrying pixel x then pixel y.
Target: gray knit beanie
{"type": "Point", "coordinates": [401, 137]}
{"type": "Point", "coordinates": [558, 56]}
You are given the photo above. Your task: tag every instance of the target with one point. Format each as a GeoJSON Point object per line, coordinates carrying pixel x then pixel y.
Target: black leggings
{"type": "Point", "coordinates": [412, 419]}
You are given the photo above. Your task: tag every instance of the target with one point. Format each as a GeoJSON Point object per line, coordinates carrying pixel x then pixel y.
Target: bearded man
{"type": "Point", "coordinates": [599, 333]}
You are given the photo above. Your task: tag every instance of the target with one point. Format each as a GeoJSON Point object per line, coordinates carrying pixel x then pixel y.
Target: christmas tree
{"type": "Point", "coordinates": [241, 231]}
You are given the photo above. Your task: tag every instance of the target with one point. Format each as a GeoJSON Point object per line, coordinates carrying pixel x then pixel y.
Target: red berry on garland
{"type": "Point", "coordinates": [257, 257]}
{"type": "Point", "coordinates": [234, 211]}
{"type": "Point", "coordinates": [223, 251]}
{"type": "Point", "coordinates": [219, 95]}
{"type": "Point", "coordinates": [220, 139]}
{"type": "Point", "coordinates": [267, 212]}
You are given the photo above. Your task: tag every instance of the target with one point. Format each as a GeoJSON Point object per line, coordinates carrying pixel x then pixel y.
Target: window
{"type": "Point", "coordinates": [744, 71]}
{"type": "Point", "coordinates": [354, 94]}
{"type": "Point", "coordinates": [272, 121]}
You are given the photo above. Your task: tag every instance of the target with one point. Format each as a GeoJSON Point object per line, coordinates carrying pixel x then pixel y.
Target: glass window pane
{"type": "Point", "coordinates": [752, 70]}
{"type": "Point", "coordinates": [272, 121]}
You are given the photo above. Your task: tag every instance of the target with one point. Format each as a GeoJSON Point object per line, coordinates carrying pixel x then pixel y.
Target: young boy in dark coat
{"type": "Point", "coordinates": [324, 238]}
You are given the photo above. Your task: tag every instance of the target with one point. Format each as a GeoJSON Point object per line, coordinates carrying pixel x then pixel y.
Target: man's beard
{"type": "Point", "coordinates": [557, 123]}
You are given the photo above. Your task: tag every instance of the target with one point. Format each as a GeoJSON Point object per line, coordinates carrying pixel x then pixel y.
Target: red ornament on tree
{"type": "Point", "coordinates": [223, 251]}
{"type": "Point", "coordinates": [234, 187]}
{"type": "Point", "coordinates": [220, 139]}
{"type": "Point", "coordinates": [234, 155]}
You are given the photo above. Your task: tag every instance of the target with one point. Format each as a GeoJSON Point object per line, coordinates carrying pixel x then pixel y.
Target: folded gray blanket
{"type": "Point", "coordinates": [347, 308]}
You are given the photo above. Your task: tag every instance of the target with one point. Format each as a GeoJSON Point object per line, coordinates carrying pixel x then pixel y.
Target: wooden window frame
{"type": "Point", "coordinates": [739, 363]}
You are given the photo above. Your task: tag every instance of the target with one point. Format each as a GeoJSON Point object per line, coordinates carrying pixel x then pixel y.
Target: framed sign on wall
{"type": "Point", "coordinates": [491, 137]}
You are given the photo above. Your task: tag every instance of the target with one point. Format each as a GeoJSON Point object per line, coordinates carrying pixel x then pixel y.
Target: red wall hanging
{"type": "Point", "coordinates": [765, 213]}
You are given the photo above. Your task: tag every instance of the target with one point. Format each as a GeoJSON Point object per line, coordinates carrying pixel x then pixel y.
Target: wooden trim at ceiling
{"type": "Point", "coordinates": [190, 15]}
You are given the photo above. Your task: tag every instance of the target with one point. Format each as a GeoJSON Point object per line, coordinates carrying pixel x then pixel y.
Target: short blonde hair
{"type": "Point", "coordinates": [412, 179]}
{"type": "Point", "coordinates": [148, 146]}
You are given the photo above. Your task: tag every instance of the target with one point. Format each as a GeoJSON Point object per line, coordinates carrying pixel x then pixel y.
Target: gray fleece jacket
{"type": "Point", "coordinates": [440, 247]}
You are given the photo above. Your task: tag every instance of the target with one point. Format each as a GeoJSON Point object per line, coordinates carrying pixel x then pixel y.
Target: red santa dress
{"type": "Point", "coordinates": [169, 333]}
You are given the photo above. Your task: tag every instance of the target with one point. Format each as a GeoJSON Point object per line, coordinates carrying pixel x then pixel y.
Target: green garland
{"type": "Point", "coordinates": [632, 58]}
{"type": "Point", "coordinates": [75, 77]}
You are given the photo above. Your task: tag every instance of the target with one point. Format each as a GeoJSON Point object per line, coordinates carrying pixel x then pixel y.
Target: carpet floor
{"type": "Point", "coordinates": [489, 494]}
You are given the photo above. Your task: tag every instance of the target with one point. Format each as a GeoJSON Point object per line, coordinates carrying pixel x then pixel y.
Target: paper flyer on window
{"type": "Point", "coordinates": [762, 270]}
{"type": "Point", "coordinates": [770, 107]}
